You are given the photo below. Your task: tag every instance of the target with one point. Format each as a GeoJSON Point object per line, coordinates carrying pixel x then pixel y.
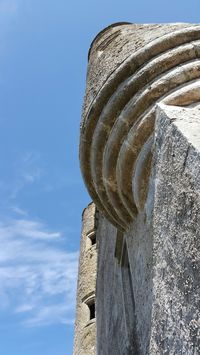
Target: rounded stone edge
{"type": "Point", "coordinates": [102, 32]}
{"type": "Point", "coordinates": [185, 31]}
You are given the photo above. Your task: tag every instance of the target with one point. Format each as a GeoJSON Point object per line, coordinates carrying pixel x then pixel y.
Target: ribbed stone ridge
{"type": "Point", "coordinates": [131, 69]}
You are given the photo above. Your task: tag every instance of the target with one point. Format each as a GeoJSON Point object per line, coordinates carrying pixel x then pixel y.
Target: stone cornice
{"type": "Point", "coordinates": [156, 64]}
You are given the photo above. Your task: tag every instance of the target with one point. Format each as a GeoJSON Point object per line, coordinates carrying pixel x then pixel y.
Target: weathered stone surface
{"type": "Point", "coordinates": [163, 245]}
{"type": "Point", "coordinates": [176, 233]}
{"type": "Point", "coordinates": [144, 178]}
{"type": "Point", "coordinates": [124, 300]}
{"type": "Point", "coordinates": [131, 69]}
{"type": "Point", "coordinates": [85, 329]}
{"type": "Point", "coordinates": [115, 45]}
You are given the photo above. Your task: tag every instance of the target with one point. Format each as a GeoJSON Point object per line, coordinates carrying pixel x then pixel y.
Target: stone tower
{"type": "Point", "coordinates": [85, 326]}
{"type": "Point", "coordinates": [140, 160]}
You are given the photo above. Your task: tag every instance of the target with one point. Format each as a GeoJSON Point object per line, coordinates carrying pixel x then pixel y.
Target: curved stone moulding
{"type": "Point", "coordinates": [116, 136]}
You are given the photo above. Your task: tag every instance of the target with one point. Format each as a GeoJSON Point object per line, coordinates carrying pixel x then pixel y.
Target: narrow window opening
{"type": "Point", "coordinates": [93, 238]}
{"type": "Point", "coordinates": [92, 310]}
{"type": "Point", "coordinates": [91, 306]}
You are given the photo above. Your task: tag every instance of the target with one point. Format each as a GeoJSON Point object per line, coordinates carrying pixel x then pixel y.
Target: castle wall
{"type": "Point", "coordinates": [111, 327]}
{"type": "Point", "coordinates": [85, 325]}
{"type": "Point", "coordinates": [176, 233]}
{"type": "Point", "coordinates": [148, 281]}
{"type": "Point", "coordinates": [140, 162]}
{"type": "Point", "coordinates": [124, 289]}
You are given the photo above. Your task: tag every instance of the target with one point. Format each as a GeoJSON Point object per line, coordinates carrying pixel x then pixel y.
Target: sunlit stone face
{"type": "Point", "coordinates": [132, 68]}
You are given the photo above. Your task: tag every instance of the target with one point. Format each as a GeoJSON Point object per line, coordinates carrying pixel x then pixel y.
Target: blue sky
{"type": "Point", "coordinates": [43, 59]}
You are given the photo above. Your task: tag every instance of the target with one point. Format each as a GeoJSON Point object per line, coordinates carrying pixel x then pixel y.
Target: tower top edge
{"type": "Point", "coordinates": [104, 30]}
{"type": "Point", "coordinates": [90, 205]}
{"type": "Point", "coordinates": [134, 25]}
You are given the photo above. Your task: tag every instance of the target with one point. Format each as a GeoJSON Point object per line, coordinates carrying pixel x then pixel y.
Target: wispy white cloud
{"type": "Point", "coordinates": [27, 170]}
{"type": "Point", "coordinates": [18, 210]}
{"type": "Point", "coordinates": [37, 275]}
{"type": "Point", "coordinates": [18, 228]}
{"type": "Point", "coordinates": [31, 170]}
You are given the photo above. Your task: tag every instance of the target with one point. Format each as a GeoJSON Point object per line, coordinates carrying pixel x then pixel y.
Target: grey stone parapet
{"type": "Point", "coordinates": [131, 69]}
